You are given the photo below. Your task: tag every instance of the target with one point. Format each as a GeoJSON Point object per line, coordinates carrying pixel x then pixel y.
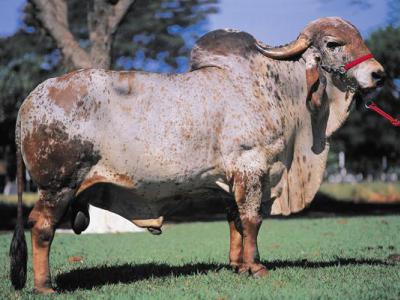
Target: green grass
{"type": "Point", "coordinates": [376, 191]}
{"type": "Point", "coordinates": [329, 258]}
{"type": "Point", "coordinates": [28, 198]}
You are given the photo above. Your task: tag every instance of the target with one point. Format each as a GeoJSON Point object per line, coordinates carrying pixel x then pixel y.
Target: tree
{"type": "Point", "coordinates": [86, 34]}
{"type": "Point", "coordinates": [103, 18]}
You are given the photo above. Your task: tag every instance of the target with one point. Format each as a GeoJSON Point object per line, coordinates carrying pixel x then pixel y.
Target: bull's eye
{"type": "Point", "coordinates": [333, 45]}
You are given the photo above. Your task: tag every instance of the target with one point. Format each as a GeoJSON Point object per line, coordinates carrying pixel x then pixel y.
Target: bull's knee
{"type": "Point", "coordinates": [42, 232]}
{"type": "Point", "coordinates": [42, 227]}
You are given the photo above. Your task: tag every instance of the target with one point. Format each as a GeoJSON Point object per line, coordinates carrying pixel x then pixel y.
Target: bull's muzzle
{"type": "Point", "coordinates": [378, 77]}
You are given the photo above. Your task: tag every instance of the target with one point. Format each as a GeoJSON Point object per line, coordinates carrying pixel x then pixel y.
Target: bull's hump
{"type": "Point", "coordinates": [221, 43]}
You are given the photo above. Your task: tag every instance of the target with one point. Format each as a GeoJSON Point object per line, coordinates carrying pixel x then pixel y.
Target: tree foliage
{"type": "Point", "coordinates": [155, 35]}
{"type": "Point", "coordinates": [26, 61]}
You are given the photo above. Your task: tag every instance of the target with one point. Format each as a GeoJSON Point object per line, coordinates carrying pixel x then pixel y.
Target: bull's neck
{"type": "Point", "coordinates": [339, 104]}
{"type": "Point", "coordinates": [287, 80]}
{"type": "Point", "coordinates": [285, 87]}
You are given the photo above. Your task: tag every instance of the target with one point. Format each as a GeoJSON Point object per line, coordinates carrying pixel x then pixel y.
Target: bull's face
{"type": "Point", "coordinates": [328, 45]}
{"type": "Point", "coordinates": [337, 42]}
{"type": "Point", "coordinates": [340, 43]}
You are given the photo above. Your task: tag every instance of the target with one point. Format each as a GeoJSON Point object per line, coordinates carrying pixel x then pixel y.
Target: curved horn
{"type": "Point", "coordinates": [283, 52]}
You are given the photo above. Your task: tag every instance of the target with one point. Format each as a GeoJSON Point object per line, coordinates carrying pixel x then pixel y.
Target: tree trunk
{"type": "Point", "coordinates": [104, 17]}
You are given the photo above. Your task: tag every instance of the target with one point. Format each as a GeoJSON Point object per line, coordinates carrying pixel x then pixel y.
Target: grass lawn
{"type": "Point", "coordinates": [309, 258]}
{"type": "Point", "coordinates": [372, 192]}
{"type": "Point", "coordinates": [29, 199]}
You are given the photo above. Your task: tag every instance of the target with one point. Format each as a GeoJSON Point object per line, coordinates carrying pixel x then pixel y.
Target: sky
{"type": "Point", "coordinates": [280, 21]}
{"type": "Point", "coordinates": [273, 21]}
{"type": "Point", "coordinates": [10, 16]}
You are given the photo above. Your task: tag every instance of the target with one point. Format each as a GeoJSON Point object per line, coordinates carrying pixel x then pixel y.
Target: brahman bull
{"type": "Point", "coordinates": [248, 119]}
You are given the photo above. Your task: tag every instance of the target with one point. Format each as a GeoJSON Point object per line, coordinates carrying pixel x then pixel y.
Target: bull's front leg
{"type": "Point", "coordinates": [249, 192]}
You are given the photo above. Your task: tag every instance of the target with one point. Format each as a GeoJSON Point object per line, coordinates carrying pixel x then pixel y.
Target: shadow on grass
{"type": "Point", "coordinates": [338, 262]}
{"type": "Point", "coordinates": [322, 206]}
{"type": "Point", "coordinates": [213, 209]}
{"type": "Point", "coordinates": [8, 215]}
{"type": "Point", "coordinates": [88, 278]}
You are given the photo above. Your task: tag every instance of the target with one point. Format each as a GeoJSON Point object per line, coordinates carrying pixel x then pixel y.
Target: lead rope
{"type": "Point", "coordinates": [375, 108]}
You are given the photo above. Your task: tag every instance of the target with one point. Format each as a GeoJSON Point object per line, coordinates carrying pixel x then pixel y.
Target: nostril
{"type": "Point", "coordinates": [379, 77]}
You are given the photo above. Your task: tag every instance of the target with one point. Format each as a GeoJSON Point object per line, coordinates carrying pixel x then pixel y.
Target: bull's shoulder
{"type": "Point", "coordinates": [219, 44]}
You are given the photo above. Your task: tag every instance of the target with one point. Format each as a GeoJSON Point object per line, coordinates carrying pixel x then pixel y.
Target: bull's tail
{"type": "Point", "coordinates": [18, 249]}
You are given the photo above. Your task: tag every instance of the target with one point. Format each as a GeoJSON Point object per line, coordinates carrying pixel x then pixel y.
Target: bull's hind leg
{"type": "Point", "coordinates": [248, 195]}
{"type": "Point", "coordinates": [236, 238]}
{"type": "Point", "coordinates": [44, 218]}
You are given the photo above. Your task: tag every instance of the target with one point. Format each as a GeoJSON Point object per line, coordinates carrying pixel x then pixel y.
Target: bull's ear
{"type": "Point", "coordinates": [316, 82]}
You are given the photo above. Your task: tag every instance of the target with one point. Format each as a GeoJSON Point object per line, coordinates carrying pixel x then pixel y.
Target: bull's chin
{"type": "Point", "coordinates": [365, 95]}
{"type": "Point", "coordinates": [369, 93]}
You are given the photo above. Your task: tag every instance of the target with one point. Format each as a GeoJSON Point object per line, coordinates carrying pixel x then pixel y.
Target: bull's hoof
{"type": "Point", "coordinates": [262, 272]}
{"type": "Point", "coordinates": [235, 266]}
{"type": "Point", "coordinates": [44, 290]}
{"type": "Point", "coordinates": [256, 270]}
{"type": "Point", "coordinates": [80, 222]}
{"type": "Point", "coordinates": [154, 230]}
{"type": "Point", "coordinates": [243, 269]}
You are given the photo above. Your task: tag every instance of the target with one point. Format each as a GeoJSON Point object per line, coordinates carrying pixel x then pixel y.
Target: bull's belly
{"type": "Point", "coordinates": [138, 205]}
{"type": "Point", "coordinates": [139, 198]}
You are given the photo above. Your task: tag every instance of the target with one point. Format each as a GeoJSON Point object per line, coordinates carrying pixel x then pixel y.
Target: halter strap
{"type": "Point", "coordinates": [358, 61]}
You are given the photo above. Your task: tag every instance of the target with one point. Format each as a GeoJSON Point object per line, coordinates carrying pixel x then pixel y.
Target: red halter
{"type": "Point", "coordinates": [357, 61]}
{"type": "Point", "coordinates": [371, 105]}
